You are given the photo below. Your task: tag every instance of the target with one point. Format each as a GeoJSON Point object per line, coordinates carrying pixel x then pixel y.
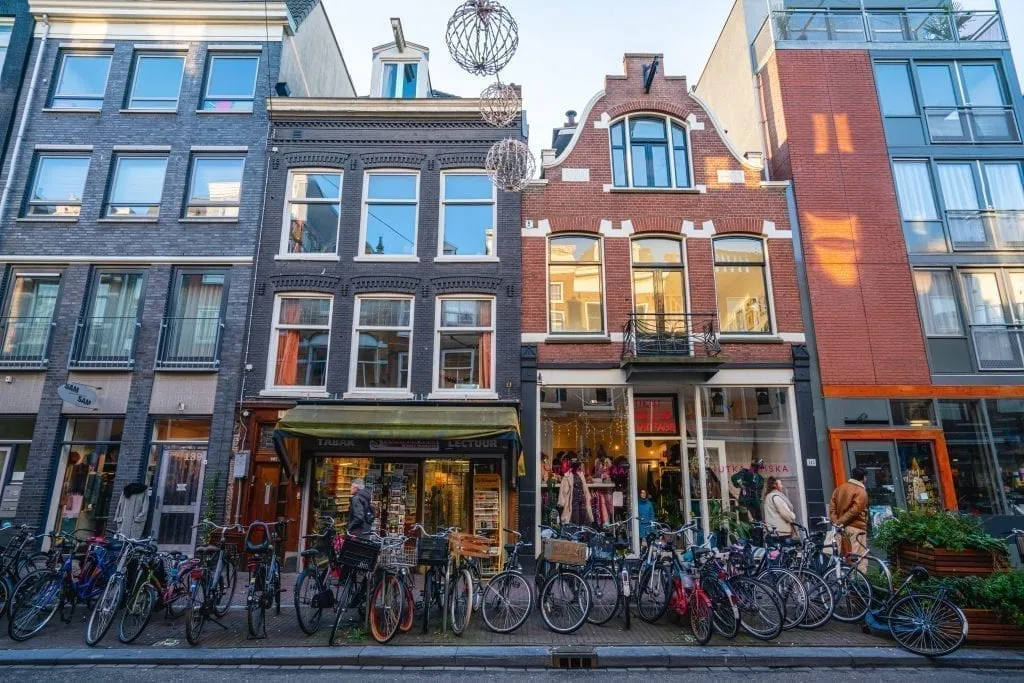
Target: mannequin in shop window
{"type": "Point", "coordinates": [574, 495]}
{"type": "Point", "coordinates": [751, 485]}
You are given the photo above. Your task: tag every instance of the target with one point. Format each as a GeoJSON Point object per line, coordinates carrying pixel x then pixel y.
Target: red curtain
{"type": "Point", "coordinates": [484, 355]}
{"type": "Point", "coordinates": [287, 370]}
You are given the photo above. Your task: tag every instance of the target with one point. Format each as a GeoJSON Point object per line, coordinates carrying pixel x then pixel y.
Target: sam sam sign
{"type": "Point", "coordinates": [77, 394]}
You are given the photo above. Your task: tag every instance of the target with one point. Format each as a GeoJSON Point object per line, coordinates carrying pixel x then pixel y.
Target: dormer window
{"type": "Point", "coordinates": [649, 152]}
{"type": "Point", "coordinates": [399, 80]}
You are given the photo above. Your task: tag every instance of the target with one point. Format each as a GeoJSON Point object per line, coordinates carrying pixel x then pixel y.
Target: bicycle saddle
{"type": "Point", "coordinates": [207, 550]}
{"type": "Point", "coordinates": [919, 573]}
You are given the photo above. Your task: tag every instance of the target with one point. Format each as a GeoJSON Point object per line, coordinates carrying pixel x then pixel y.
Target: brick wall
{"type": "Point", "coordinates": [831, 143]}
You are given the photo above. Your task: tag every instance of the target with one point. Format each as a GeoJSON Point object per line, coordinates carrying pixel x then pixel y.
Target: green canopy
{"type": "Point", "coordinates": [400, 422]}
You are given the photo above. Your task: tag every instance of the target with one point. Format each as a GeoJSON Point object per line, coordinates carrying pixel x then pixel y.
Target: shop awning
{"type": "Point", "coordinates": [356, 423]}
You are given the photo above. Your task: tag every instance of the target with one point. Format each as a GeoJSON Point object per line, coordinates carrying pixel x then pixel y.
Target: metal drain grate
{"type": "Point", "coordinates": [574, 661]}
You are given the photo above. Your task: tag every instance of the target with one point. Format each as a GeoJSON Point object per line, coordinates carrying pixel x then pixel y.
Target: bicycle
{"type": "Point", "coordinates": [463, 593]}
{"type": "Point", "coordinates": [56, 587]}
{"type": "Point", "coordinates": [392, 605]}
{"type": "Point", "coordinates": [176, 594]}
{"type": "Point", "coordinates": [147, 591]}
{"type": "Point", "coordinates": [314, 590]}
{"type": "Point", "coordinates": [565, 596]}
{"type": "Point", "coordinates": [110, 600]}
{"type": "Point", "coordinates": [211, 583]}
{"type": "Point", "coordinates": [753, 561]}
{"type": "Point", "coordinates": [508, 598]}
{"type": "Point", "coordinates": [432, 552]}
{"type": "Point", "coordinates": [850, 587]}
{"type": "Point", "coordinates": [795, 555]}
{"type": "Point", "coordinates": [357, 558]}
{"type": "Point", "coordinates": [261, 539]}
{"type": "Point", "coordinates": [603, 573]}
{"type": "Point", "coordinates": [15, 561]}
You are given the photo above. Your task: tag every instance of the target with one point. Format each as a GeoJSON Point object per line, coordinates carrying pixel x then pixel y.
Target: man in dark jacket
{"type": "Point", "coordinates": [360, 510]}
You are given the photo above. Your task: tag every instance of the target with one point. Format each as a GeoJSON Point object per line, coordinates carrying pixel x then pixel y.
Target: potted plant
{"type": "Point", "coordinates": [945, 543]}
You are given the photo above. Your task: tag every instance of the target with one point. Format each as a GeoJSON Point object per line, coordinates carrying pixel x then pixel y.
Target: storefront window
{"type": "Point", "coordinates": [1006, 415]}
{"type": "Point", "coordinates": [975, 476]}
{"type": "Point", "coordinates": [920, 480]}
{"type": "Point", "coordinates": [15, 442]}
{"type": "Point", "coordinates": [913, 413]}
{"type": "Point", "coordinates": [88, 464]}
{"type": "Point", "coordinates": [586, 430]}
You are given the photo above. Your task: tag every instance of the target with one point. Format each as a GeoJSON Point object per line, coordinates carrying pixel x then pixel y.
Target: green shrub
{"type": "Point", "coordinates": [930, 529]}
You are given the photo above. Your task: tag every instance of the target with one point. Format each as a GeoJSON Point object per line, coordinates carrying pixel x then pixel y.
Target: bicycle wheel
{"type": "Point", "coordinates": [652, 594]}
{"type": "Point", "coordinates": [103, 611]}
{"type": "Point", "coordinates": [256, 603]}
{"type": "Point", "coordinates": [33, 603]}
{"type": "Point", "coordinates": [927, 625]}
{"type": "Point", "coordinates": [408, 606]}
{"type": "Point", "coordinates": [386, 609]}
{"type": "Point", "coordinates": [507, 600]}
{"type": "Point", "coordinates": [851, 592]}
{"type": "Point", "coordinates": [760, 607]}
{"type": "Point", "coordinates": [179, 599]}
{"type": "Point", "coordinates": [701, 616]}
{"type": "Point", "coordinates": [428, 593]}
{"type": "Point", "coordinates": [723, 607]}
{"type": "Point", "coordinates": [275, 592]}
{"type": "Point", "coordinates": [136, 614]}
{"type": "Point", "coordinates": [565, 602]}
{"type": "Point", "coordinates": [308, 610]}
{"type": "Point", "coordinates": [5, 594]}
{"type": "Point", "coordinates": [196, 610]}
{"type": "Point", "coordinates": [791, 591]}
{"type": "Point", "coordinates": [460, 602]}
{"type": "Point", "coordinates": [341, 606]}
{"type": "Point", "coordinates": [225, 590]}
{"type": "Point", "coordinates": [820, 601]}
{"type": "Point", "coordinates": [605, 596]}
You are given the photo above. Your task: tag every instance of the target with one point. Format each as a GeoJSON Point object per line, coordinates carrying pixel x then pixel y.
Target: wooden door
{"type": "Point", "coordinates": [263, 492]}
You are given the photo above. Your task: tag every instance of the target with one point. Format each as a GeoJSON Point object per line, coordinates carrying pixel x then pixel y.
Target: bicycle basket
{"type": "Point", "coordinates": [358, 554]}
{"type": "Point", "coordinates": [431, 551]}
{"type": "Point", "coordinates": [468, 545]}
{"type": "Point", "coordinates": [565, 552]}
{"type": "Point", "coordinates": [397, 556]}
{"type": "Point", "coordinates": [602, 548]}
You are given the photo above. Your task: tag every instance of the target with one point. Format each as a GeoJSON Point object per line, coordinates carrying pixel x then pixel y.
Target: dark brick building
{"type": "Point", "coordinates": [128, 235]}
{"type": "Point", "coordinates": [387, 306]}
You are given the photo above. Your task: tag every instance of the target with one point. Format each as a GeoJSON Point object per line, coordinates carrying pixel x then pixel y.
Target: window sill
{"type": "Point", "coordinates": [656, 190]}
{"type": "Point", "coordinates": [197, 219]}
{"type": "Point", "coordinates": [148, 219]}
{"type": "Point", "coordinates": [288, 392]}
{"type": "Point", "coordinates": [379, 395]}
{"type": "Point", "coordinates": [46, 219]}
{"type": "Point", "coordinates": [750, 339]}
{"type": "Point", "coordinates": [148, 111]}
{"type": "Point", "coordinates": [578, 339]}
{"type": "Point", "coordinates": [462, 395]}
{"type": "Point", "coordinates": [218, 112]}
{"type": "Point", "coordinates": [307, 257]}
{"type": "Point", "coordinates": [387, 259]}
{"type": "Point", "coordinates": [466, 259]}
{"type": "Point", "coordinates": [70, 110]}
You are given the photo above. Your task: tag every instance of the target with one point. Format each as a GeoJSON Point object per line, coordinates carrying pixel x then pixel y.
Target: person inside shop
{"type": "Point", "coordinates": [778, 510]}
{"type": "Point", "coordinates": [644, 513]}
{"type": "Point", "coordinates": [750, 483]}
{"type": "Point", "coordinates": [574, 495]}
{"type": "Point", "coordinates": [360, 510]}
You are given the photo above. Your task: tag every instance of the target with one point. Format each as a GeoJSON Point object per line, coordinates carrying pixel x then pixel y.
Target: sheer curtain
{"type": "Point", "coordinates": [936, 300]}
{"type": "Point", "coordinates": [1004, 185]}
{"type": "Point", "coordinates": [991, 338]}
{"type": "Point", "coordinates": [961, 194]}
{"type": "Point", "coordinates": [194, 333]}
{"type": "Point", "coordinates": [914, 187]}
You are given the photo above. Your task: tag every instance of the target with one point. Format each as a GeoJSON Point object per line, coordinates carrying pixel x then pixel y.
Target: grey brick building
{"type": "Point", "coordinates": [135, 196]}
{"type": "Point", "coordinates": [387, 305]}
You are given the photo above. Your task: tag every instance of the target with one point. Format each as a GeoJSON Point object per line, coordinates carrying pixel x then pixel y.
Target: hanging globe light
{"type": "Point", "coordinates": [500, 104]}
{"type": "Point", "coordinates": [482, 36]}
{"type": "Point", "coordinates": [510, 164]}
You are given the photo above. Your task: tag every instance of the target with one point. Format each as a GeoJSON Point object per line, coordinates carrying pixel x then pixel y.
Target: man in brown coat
{"type": "Point", "coordinates": [849, 508]}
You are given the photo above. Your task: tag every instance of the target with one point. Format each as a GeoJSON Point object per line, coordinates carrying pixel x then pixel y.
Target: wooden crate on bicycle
{"type": "Point", "coordinates": [468, 545]}
{"type": "Point", "coordinates": [561, 551]}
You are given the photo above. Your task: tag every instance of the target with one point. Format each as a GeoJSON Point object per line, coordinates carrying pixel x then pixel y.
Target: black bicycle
{"type": "Point", "coordinates": [212, 583]}
{"type": "Point", "coordinates": [261, 541]}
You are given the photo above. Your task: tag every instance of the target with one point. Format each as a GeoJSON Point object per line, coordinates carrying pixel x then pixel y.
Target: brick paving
{"type": "Point", "coordinates": [283, 631]}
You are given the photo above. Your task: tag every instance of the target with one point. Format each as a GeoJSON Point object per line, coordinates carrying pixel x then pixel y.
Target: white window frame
{"type": "Point", "coordinates": [213, 57]}
{"type": "Point", "coordinates": [271, 388]}
{"type": "Point", "coordinates": [283, 253]}
{"type": "Point", "coordinates": [400, 81]}
{"type": "Point", "coordinates": [440, 392]}
{"type": "Point", "coordinates": [364, 215]}
{"type": "Point", "coordinates": [57, 95]}
{"type": "Point", "coordinates": [956, 283]}
{"type": "Point", "coordinates": [773, 320]}
{"type": "Point", "coordinates": [5, 43]}
{"type": "Point", "coordinates": [353, 369]}
{"type": "Point", "coordinates": [582, 336]}
{"type": "Point", "coordinates": [441, 256]}
{"type": "Point", "coordinates": [172, 106]}
{"type": "Point", "coordinates": [669, 121]}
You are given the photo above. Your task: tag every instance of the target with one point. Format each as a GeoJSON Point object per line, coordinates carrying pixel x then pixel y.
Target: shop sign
{"type": "Point", "coordinates": [655, 416]}
{"type": "Point", "coordinates": [77, 394]}
{"type": "Point", "coordinates": [465, 446]}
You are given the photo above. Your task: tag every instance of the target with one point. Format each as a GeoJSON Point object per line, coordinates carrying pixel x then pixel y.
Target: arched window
{"type": "Point", "coordinates": [649, 151]}
{"type": "Point", "coordinates": [740, 281]}
{"type": "Point", "coordinates": [575, 285]}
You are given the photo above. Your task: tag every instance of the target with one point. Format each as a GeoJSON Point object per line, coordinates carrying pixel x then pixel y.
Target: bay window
{"type": "Point", "coordinates": [742, 285]}
{"type": "Point", "coordinates": [382, 343]}
{"type": "Point", "coordinates": [465, 344]}
{"type": "Point", "coordinates": [301, 341]}
{"type": "Point", "coordinates": [575, 285]}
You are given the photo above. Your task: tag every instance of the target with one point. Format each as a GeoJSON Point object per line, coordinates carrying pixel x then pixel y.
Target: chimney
{"type": "Point", "coordinates": [570, 119]}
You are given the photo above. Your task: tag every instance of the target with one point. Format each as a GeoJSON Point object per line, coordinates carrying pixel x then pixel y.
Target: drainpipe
{"type": "Point", "coordinates": [24, 117]}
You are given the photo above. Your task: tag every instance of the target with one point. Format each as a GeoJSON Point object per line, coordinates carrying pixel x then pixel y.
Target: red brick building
{"type": "Point", "coordinates": [661, 312]}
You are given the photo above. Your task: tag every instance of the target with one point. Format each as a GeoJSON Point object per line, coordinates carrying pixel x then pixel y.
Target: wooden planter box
{"type": "Point", "coordinates": [984, 628]}
{"type": "Point", "coordinates": [944, 562]}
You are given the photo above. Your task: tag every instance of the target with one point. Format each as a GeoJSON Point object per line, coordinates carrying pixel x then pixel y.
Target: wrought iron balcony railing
{"type": "Point", "coordinates": [670, 334]}
{"type": "Point", "coordinates": [888, 26]}
{"type": "Point", "coordinates": [971, 124]}
{"type": "Point", "coordinates": [999, 347]}
{"type": "Point", "coordinates": [189, 343]}
{"type": "Point", "coordinates": [104, 343]}
{"type": "Point", "coordinates": [25, 342]}
{"type": "Point", "coordinates": [983, 230]}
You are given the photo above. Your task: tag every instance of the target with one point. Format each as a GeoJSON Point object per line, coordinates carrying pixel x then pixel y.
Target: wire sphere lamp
{"type": "Point", "coordinates": [500, 104]}
{"type": "Point", "coordinates": [510, 164]}
{"type": "Point", "coordinates": [482, 36]}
